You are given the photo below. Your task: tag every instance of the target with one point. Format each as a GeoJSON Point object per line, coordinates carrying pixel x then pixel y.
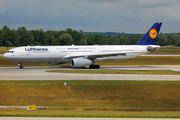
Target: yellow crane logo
{"type": "Point", "coordinates": [153, 33]}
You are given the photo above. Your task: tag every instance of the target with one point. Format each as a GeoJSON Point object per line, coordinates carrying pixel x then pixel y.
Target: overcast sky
{"type": "Point", "coordinates": [129, 16]}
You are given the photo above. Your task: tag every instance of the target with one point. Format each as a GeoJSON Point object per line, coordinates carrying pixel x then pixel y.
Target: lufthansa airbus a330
{"type": "Point", "coordinates": [81, 56]}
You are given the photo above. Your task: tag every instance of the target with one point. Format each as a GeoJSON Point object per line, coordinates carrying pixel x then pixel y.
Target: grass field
{"type": "Point", "coordinates": [91, 93]}
{"type": "Point", "coordinates": [95, 94]}
{"type": "Point", "coordinates": [87, 113]}
{"type": "Point", "coordinates": [148, 72]}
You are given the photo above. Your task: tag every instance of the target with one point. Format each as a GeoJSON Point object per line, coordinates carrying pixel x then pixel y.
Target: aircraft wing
{"type": "Point", "coordinates": [95, 55]}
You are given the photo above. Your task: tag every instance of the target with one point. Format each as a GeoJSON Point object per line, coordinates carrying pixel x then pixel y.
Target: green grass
{"type": "Point", "coordinates": [94, 94]}
{"type": "Point", "coordinates": [91, 93]}
{"type": "Point", "coordinates": [91, 114]}
{"type": "Point", "coordinates": [149, 72]}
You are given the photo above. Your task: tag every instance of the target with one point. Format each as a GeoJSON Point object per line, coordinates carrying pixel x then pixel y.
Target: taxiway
{"type": "Point", "coordinates": [38, 73]}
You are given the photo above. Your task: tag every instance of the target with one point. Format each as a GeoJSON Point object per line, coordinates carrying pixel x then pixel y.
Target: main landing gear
{"type": "Point", "coordinates": [21, 65]}
{"type": "Point", "coordinates": [94, 66]}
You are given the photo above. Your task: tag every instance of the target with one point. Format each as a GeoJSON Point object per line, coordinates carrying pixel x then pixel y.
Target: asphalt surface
{"type": "Point", "coordinates": [34, 118]}
{"type": "Point", "coordinates": [38, 73]}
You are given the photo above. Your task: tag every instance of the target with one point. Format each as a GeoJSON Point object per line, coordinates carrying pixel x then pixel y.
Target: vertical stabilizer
{"type": "Point", "coordinates": [151, 36]}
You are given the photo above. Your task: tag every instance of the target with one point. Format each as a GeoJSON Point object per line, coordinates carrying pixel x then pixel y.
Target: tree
{"type": "Point", "coordinates": [42, 38]}
{"type": "Point", "coordinates": [15, 38]}
{"type": "Point", "coordinates": [50, 37]}
{"type": "Point", "coordinates": [8, 32]}
{"type": "Point", "coordinates": [175, 39]}
{"type": "Point", "coordinates": [31, 39]}
{"type": "Point", "coordinates": [133, 39]}
{"type": "Point", "coordinates": [161, 40]}
{"type": "Point", "coordinates": [114, 40]}
{"type": "Point", "coordinates": [99, 39]}
{"type": "Point", "coordinates": [90, 39]}
{"type": "Point", "coordinates": [66, 39]}
{"type": "Point", "coordinates": [83, 42]}
{"type": "Point", "coordinates": [24, 36]}
{"type": "Point", "coordinates": [82, 36]}
{"type": "Point", "coordinates": [76, 36]}
{"type": "Point", "coordinates": [37, 36]}
{"type": "Point", "coordinates": [3, 37]}
{"type": "Point", "coordinates": [8, 44]}
{"type": "Point", "coordinates": [55, 41]}
{"type": "Point", "coordinates": [125, 40]}
{"type": "Point", "coordinates": [37, 43]}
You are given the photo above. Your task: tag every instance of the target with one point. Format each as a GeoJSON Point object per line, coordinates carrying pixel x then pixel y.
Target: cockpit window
{"type": "Point", "coordinates": [10, 51]}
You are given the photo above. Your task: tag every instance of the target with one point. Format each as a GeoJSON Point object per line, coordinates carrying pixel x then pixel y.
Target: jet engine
{"type": "Point", "coordinates": [80, 62]}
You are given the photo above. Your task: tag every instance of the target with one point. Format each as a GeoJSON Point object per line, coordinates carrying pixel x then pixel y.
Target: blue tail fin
{"type": "Point", "coordinates": [150, 37]}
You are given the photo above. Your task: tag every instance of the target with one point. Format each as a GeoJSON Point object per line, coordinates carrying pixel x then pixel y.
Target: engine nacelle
{"type": "Point", "coordinates": [80, 62]}
{"type": "Point", "coordinates": [54, 63]}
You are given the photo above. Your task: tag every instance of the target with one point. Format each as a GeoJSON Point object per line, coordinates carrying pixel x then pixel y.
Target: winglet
{"type": "Point", "coordinates": [151, 36]}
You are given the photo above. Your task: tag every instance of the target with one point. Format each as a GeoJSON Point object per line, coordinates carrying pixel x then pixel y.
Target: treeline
{"type": "Point", "coordinates": [107, 34]}
{"type": "Point", "coordinates": [24, 37]}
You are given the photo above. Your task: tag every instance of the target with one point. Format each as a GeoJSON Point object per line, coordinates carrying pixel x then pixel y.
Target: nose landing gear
{"type": "Point", "coordinates": [20, 65]}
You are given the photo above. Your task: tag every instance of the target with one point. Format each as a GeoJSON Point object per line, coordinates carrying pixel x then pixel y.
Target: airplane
{"type": "Point", "coordinates": [82, 56]}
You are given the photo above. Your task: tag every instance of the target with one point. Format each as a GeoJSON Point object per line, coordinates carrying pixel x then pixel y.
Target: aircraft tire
{"type": "Point", "coordinates": [21, 66]}
{"type": "Point", "coordinates": [94, 66]}
{"type": "Point", "coordinates": [97, 66]}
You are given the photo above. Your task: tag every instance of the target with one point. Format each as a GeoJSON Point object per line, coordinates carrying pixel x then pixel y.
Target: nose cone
{"type": "Point", "coordinates": [5, 55]}
{"type": "Point", "coordinates": [9, 56]}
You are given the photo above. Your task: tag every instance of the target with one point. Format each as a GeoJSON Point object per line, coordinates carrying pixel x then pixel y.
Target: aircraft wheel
{"type": "Point", "coordinates": [21, 66]}
{"type": "Point", "coordinates": [94, 66]}
{"type": "Point", "coordinates": [91, 66]}
{"type": "Point", "coordinates": [97, 66]}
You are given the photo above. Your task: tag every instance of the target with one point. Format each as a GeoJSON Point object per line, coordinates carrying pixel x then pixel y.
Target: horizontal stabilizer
{"type": "Point", "coordinates": [151, 48]}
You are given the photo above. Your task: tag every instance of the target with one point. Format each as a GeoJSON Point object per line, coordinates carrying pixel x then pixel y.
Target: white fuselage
{"type": "Point", "coordinates": [61, 53]}
{"type": "Point", "coordinates": [81, 56]}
